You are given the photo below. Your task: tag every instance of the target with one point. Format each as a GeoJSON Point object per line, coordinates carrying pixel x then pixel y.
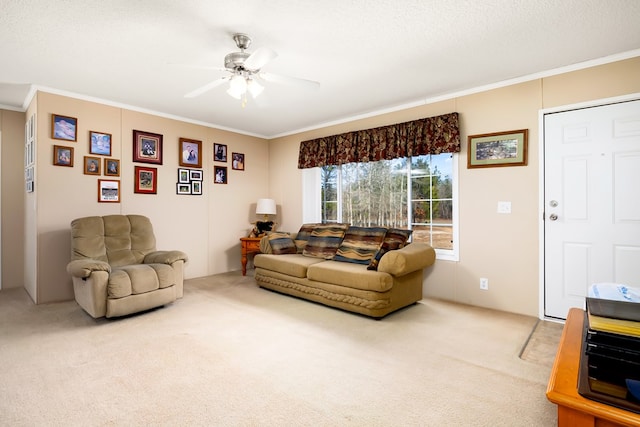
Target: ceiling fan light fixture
{"type": "Point", "coordinates": [254, 88]}
{"type": "Point", "coordinates": [237, 87]}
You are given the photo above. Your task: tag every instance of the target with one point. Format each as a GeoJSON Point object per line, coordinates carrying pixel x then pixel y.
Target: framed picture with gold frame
{"type": "Point", "coordinates": [64, 127]}
{"type": "Point", "coordinates": [91, 165]}
{"type": "Point", "coordinates": [62, 156]}
{"type": "Point", "coordinates": [99, 143]}
{"type": "Point", "coordinates": [498, 149]}
{"type": "Point", "coordinates": [111, 167]}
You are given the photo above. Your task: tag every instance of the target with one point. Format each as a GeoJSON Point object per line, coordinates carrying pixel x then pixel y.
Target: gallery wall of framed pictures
{"type": "Point", "coordinates": [147, 148]}
{"type": "Point", "coordinates": [66, 135]}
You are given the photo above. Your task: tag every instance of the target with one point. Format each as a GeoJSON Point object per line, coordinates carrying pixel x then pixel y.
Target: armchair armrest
{"type": "Point", "coordinates": [165, 257]}
{"type": "Point", "coordinates": [83, 268]}
{"type": "Point", "coordinates": [412, 257]}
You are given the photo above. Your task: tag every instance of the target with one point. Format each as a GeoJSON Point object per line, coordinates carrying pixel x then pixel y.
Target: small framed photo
{"type": "Point", "coordinates": [498, 149]}
{"type": "Point", "coordinates": [146, 180]}
{"type": "Point", "coordinates": [189, 153]}
{"type": "Point", "coordinates": [112, 167]}
{"type": "Point", "coordinates": [183, 176]}
{"type": "Point", "coordinates": [64, 127]}
{"type": "Point", "coordinates": [220, 174]}
{"type": "Point", "coordinates": [237, 161]}
{"type": "Point", "coordinates": [147, 147]}
{"type": "Point", "coordinates": [62, 156]}
{"type": "Point", "coordinates": [219, 152]}
{"type": "Point", "coordinates": [183, 188]}
{"type": "Point", "coordinates": [91, 165]}
{"type": "Point", "coordinates": [196, 187]}
{"type": "Point", "coordinates": [99, 143]}
{"type": "Point", "coordinates": [108, 191]}
{"type": "Point", "coordinates": [195, 175]}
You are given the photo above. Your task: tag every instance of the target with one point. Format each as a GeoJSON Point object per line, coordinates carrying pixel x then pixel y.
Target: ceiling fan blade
{"type": "Point", "coordinates": [259, 58]}
{"type": "Point", "coordinates": [206, 88]}
{"type": "Point", "coordinates": [197, 67]}
{"type": "Point", "coordinates": [288, 80]}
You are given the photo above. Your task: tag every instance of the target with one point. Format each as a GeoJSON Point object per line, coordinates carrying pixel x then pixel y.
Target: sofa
{"type": "Point", "coordinates": [372, 271]}
{"type": "Point", "coordinates": [116, 269]}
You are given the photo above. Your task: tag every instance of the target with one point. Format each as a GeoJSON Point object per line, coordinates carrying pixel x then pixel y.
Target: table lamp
{"type": "Point", "coordinates": [266, 207]}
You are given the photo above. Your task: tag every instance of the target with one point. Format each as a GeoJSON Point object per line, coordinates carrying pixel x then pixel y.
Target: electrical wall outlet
{"type": "Point", "coordinates": [484, 284]}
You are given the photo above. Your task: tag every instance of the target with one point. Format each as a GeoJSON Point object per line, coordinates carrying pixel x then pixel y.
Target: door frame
{"type": "Point", "coordinates": [541, 165]}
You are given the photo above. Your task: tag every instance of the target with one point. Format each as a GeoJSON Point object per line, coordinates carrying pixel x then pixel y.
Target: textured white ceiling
{"type": "Point", "coordinates": [368, 55]}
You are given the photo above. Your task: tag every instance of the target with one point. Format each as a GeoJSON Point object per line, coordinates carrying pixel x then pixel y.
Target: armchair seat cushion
{"type": "Point", "coordinates": [138, 279]}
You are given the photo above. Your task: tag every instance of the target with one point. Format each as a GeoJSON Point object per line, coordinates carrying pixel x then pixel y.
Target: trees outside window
{"type": "Point", "coordinates": [415, 193]}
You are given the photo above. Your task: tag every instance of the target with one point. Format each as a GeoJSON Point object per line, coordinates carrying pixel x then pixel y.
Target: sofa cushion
{"type": "Point", "coordinates": [325, 240]}
{"type": "Point", "coordinates": [281, 243]}
{"type": "Point", "coordinates": [303, 236]}
{"type": "Point", "coordinates": [290, 264]}
{"type": "Point", "coordinates": [360, 244]}
{"type": "Point", "coordinates": [395, 238]}
{"type": "Point", "coordinates": [305, 231]}
{"type": "Point", "coordinates": [350, 275]}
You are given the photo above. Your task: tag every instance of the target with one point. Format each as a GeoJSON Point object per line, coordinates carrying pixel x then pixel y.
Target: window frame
{"type": "Point", "coordinates": [312, 204]}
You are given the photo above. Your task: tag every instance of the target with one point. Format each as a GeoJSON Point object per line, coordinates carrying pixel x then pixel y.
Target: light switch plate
{"type": "Point", "coordinates": [504, 207]}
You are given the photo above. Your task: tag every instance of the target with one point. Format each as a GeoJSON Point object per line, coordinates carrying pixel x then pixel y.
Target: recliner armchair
{"type": "Point", "coordinates": [116, 269]}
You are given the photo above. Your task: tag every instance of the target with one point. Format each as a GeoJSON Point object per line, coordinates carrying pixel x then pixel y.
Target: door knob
{"type": "Point", "coordinates": [553, 217]}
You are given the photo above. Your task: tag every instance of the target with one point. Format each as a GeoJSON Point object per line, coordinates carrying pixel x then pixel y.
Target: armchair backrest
{"type": "Point", "coordinates": [116, 239]}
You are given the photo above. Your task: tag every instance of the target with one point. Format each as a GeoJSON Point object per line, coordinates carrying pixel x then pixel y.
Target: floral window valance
{"type": "Point", "coordinates": [431, 135]}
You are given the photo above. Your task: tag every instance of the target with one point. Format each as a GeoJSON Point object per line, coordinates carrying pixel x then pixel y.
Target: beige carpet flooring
{"type": "Point", "coordinates": [231, 354]}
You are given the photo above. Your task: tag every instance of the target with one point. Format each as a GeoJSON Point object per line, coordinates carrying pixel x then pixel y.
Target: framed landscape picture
{"type": "Point", "coordinates": [498, 149]}
{"type": "Point", "coordinates": [64, 127]}
{"type": "Point", "coordinates": [108, 191]}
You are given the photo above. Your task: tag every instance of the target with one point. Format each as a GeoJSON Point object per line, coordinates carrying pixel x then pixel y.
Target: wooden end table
{"type": "Point", "coordinates": [573, 409]}
{"type": "Point", "coordinates": [249, 245]}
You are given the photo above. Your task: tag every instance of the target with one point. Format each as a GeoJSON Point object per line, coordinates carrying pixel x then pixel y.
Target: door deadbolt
{"type": "Point", "coordinates": [553, 203]}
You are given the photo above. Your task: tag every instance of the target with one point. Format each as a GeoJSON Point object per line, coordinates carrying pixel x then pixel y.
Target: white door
{"type": "Point", "coordinates": [592, 202]}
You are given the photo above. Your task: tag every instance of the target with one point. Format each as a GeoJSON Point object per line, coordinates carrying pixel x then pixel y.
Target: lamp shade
{"type": "Point", "coordinates": [266, 207]}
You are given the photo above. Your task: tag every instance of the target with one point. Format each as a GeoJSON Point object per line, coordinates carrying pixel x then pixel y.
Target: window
{"type": "Point", "coordinates": [418, 193]}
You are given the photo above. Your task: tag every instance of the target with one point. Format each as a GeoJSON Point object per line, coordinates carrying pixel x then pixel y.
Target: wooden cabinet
{"type": "Point", "coordinates": [573, 409]}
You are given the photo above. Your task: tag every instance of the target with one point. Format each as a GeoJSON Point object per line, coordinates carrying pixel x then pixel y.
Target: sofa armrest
{"type": "Point", "coordinates": [412, 257]}
{"type": "Point", "coordinates": [83, 268]}
{"type": "Point", "coordinates": [165, 257]}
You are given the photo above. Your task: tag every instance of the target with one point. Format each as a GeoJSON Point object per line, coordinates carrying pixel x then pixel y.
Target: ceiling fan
{"type": "Point", "coordinates": [245, 72]}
